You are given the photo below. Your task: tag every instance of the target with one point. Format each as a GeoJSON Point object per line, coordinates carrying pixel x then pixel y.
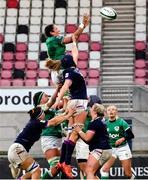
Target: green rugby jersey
{"type": "Point", "coordinates": [54, 130]}
{"type": "Point", "coordinates": [87, 121]}
{"type": "Point", "coordinates": [116, 130]}
{"type": "Point", "coordinates": [55, 47]}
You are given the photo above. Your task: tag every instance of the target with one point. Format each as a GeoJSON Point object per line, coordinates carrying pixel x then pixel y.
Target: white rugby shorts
{"type": "Point", "coordinates": [17, 154]}
{"type": "Point", "coordinates": [101, 155]}
{"type": "Point", "coordinates": [50, 142]}
{"type": "Point", "coordinates": [82, 149]}
{"type": "Point", "coordinates": [79, 104]}
{"type": "Point", "coordinates": [122, 152]}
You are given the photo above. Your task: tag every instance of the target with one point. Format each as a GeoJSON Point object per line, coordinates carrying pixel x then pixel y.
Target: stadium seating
{"type": "Point", "coordinates": [30, 82]}
{"type": "Point", "coordinates": [31, 74]}
{"type": "Point", "coordinates": [6, 74]}
{"type": "Point", "coordinates": [82, 64]}
{"type": "Point", "coordinates": [12, 3]}
{"type": "Point", "coordinates": [140, 64]}
{"type": "Point", "coordinates": [1, 38]}
{"type": "Point", "coordinates": [21, 47]}
{"type": "Point", "coordinates": [23, 50]}
{"type": "Point", "coordinates": [43, 73]}
{"type": "Point", "coordinates": [20, 65]}
{"type": "Point", "coordinates": [20, 56]}
{"type": "Point", "coordinates": [17, 82]}
{"type": "Point", "coordinates": [32, 65]}
{"type": "Point", "coordinates": [7, 65]}
{"type": "Point", "coordinates": [5, 82]}
{"type": "Point", "coordinates": [140, 46]}
{"type": "Point", "coordinates": [8, 56]}
{"type": "Point", "coordinates": [140, 81]}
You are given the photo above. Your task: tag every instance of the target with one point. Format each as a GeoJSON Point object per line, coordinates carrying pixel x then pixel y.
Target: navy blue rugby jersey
{"type": "Point", "coordinates": [100, 139]}
{"type": "Point", "coordinates": [78, 87]}
{"type": "Point", "coordinates": [31, 133]}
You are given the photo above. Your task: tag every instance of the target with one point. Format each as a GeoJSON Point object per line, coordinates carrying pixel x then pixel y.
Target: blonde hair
{"type": "Point", "coordinates": [53, 64]}
{"type": "Point", "coordinates": [99, 109]}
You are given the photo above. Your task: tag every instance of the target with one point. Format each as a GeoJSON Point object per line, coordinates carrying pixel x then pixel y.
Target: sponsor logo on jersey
{"type": "Point", "coordinates": [113, 135]}
{"type": "Point", "coordinates": [116, 128]}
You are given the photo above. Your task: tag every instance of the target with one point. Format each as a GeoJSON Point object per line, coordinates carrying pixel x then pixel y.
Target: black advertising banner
{"type": "Point", "coordinates": [140, 168]}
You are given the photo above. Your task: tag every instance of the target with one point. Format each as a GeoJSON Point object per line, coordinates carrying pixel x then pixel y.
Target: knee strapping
{"type": "Point", "coordinates": [53, 161]}
{"type": "Point", "coordinates": [33, 167]}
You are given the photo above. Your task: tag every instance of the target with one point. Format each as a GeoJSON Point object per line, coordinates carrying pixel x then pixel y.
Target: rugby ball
{"type": "Point", "coordinates": [108, 13]}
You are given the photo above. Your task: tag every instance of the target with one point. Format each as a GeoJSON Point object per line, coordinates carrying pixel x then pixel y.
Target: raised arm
{"type": "Point", "coordinates": [64, 88]}
{"type": "Point", "coordinates": [53, 97]}
{"type": "Point", "coordinates": [59, 119]}
{"type": "Point", "coordinates": [85, 22]}
{"type": "Point", "coordinates": [74, 50]}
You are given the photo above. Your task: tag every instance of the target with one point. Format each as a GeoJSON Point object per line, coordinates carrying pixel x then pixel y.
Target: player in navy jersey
{"type": "Point", "coordinates": [98, 140]}
{"type": "Point", "coordinates": [18, 155]}
{"type": "Point", "coordinates": [75, 83]}
{"type": "Point", "coordinates": [82, 148]}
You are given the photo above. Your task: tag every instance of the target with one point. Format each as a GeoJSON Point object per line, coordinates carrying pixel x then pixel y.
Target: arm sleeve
{"type": "Point", "coordinates": [129, 134]}
{"type": "Point", "coordinates": [91, 127]}
{"type": "Point", "coordinates": [60, 39]}
{"type": "Point", "coordinates": [68, 75]}
{"type": "Point", "coordinates": [125, 125]}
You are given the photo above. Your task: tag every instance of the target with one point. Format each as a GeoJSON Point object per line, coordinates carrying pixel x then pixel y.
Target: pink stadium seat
{"type": "Point", "coordinates": [43, 73]}
{"type": "Point", "coordinates": [8, 56]}
{"type": "Point", "coordinates": [140, 63]}
{"type": "Point", "coordinates": [19, 65]}
{"type": "Point", "coordinates": [7, 65]}
{"type": "Point", "coordinates": [83, 55]}
{"type": "Point", "coordinates": [1, 38]}
{"type": "Point", "coordinates": [5, 82]}
{"type": "Point", "coordinates": [93, 73]}
{"type": "Point", "coordinates": [93, 81]}
{"type": "Point", "coordinates": [140, 81]}
{"type": "Point", "coordinates": [31, 64]}
{"type": "Point", "coordinates": [30, 82]}
{"type": "Point", "coordinates": [82, 64]}
{"type": "Point", "coordinates": [84, 73]}
{"type": "Point", "coordinates": [70, 28]}
{"type": "Point", "coordinates": [20, 56]}
{"type": "Point", "coordinates": [140, 73]}
{"type": "Point", "coordinates": [95, 46]}
{"type": "Point", "coordinates": [140, 45]}
{"type": "Point", "coordinates": [17, 82]}
{"type": "Point", "coordinates": [21, 47]}
{"type": "Point", "coordinates": [12, 3]}
{"type": "Point", "coordinates": [31, 74]}
{"type": "Point", "coordinates": [6, 74]}
{"type": "Point", "coordinates": [84, 37]}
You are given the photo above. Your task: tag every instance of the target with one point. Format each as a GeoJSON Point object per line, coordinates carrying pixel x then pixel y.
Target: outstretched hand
{"type": "Point", "coordinates": [86, 19]}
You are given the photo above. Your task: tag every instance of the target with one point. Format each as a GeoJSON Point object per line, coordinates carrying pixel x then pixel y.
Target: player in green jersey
{"type": "Point", "coordinates": [119, 133]}
{"type": "Point", "coordinates": [56, 43]}
{"type": "Point", "coordinates": [51, 138]}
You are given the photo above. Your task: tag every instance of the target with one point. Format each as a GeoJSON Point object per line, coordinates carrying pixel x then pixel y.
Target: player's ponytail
{"type": "Point", "coordinates": [53, 64]}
